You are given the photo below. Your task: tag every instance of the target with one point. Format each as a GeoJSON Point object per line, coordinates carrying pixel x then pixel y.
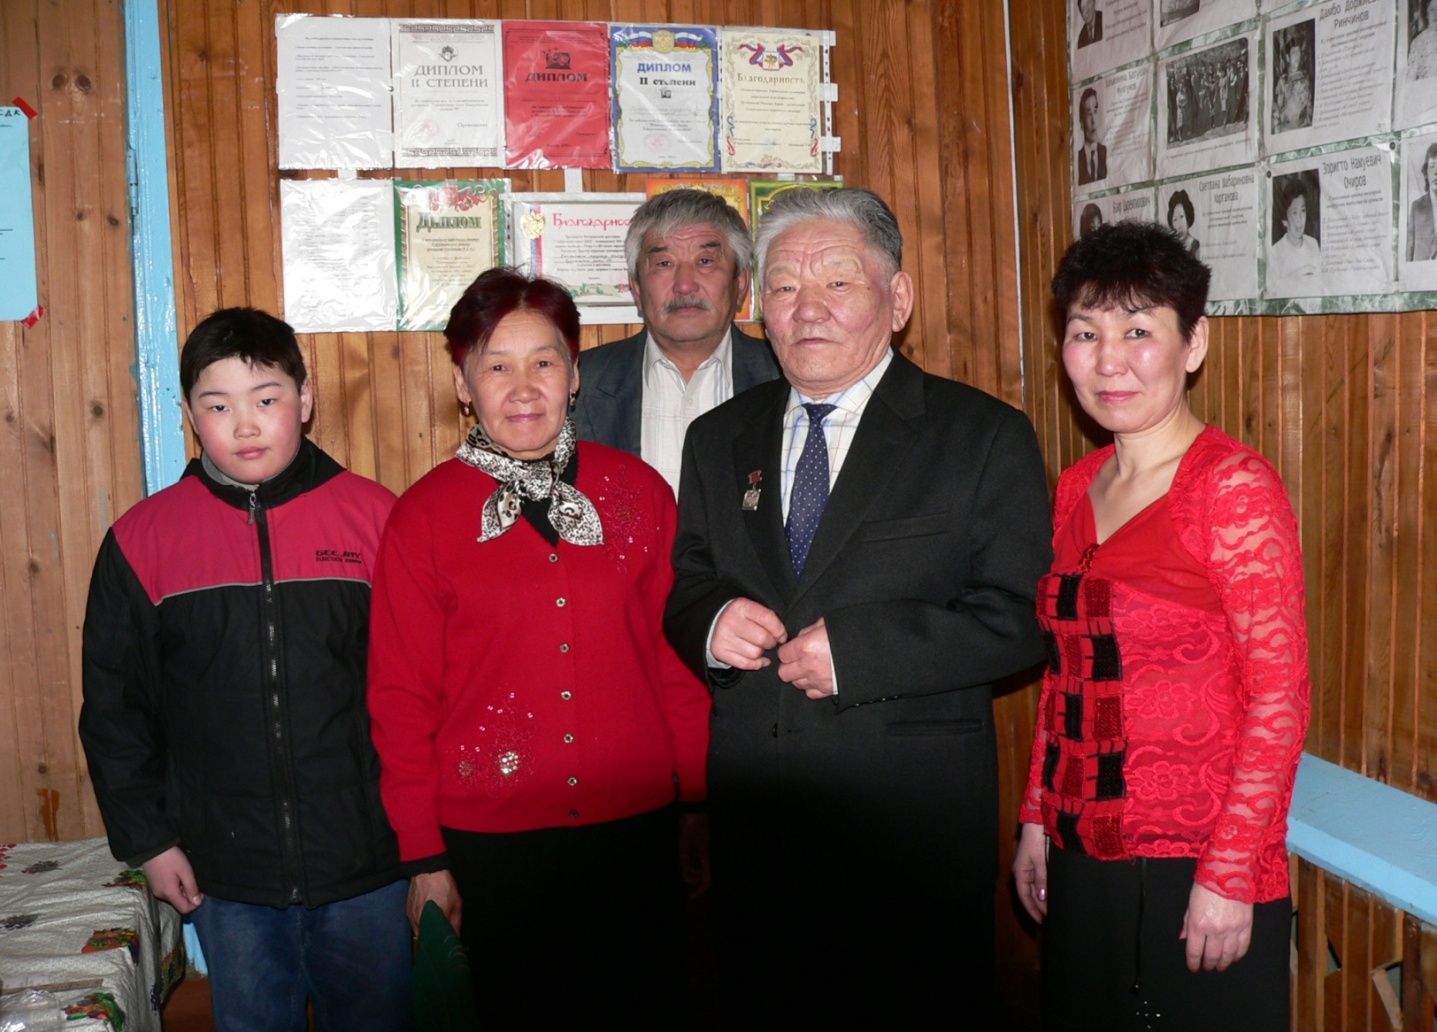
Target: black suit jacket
{"type": "Point", "coordinates": [1087, 37]}
{"type": "Point", "coordinates": [610, 404]}
{"type": "Point", "coordinates": [1100, 171]}
{"type": "Point", "coordinates": [924, 568]}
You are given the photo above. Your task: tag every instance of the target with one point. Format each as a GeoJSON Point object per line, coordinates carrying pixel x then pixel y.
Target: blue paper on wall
{"type": "Point", "coordinates": [17, 217]}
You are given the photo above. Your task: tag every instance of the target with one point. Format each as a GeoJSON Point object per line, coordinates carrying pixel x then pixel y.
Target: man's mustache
{"type": "Point", "coordinates": [678, 304]}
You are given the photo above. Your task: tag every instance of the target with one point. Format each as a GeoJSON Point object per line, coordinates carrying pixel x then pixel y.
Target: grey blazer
{"type": "Point", "coordinates": [611, 389]}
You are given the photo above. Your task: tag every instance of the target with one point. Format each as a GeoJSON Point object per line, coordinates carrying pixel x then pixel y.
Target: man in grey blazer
{"type": "Point", "coordinates": [688, 254]}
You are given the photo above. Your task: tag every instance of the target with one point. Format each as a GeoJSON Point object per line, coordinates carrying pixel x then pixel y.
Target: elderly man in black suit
{"type": "Point", "coordinates": [688, 254]}
{"type": "Point", "coordinates": [856, 560]}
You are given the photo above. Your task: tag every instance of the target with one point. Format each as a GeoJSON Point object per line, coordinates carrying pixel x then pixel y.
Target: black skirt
{"type": "Point", "coordinates": [573, 924]}
{"type": "Point", "coordinates": [1112, 959]}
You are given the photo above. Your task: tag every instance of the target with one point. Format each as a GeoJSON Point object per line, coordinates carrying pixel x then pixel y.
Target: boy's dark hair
{"type": "Point", "coordinates": [1132, 265]}
{"type": "Point", "coordinates": [257, 337]}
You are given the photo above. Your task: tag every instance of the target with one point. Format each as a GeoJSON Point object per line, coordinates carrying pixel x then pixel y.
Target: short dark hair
{"type": "Point", "coordinates": [1132, 265]}
{"type": "Point", "coordinates": [248, 333]}
{"type": "Point", "coordinates": [672, 210]}
{"type": "Point", "coordinates": [1090, 219]}
{"type": "Point", "coordinates": [1428, 171]}
{"type": "Point", "coordinates": [1181, 199]}
{"type": "Point", "coordinates": [1089, 92]}
{"type": "Point", "coordinates": [498, 292]}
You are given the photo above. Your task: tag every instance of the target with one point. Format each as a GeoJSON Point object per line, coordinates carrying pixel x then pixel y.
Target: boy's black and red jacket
{"type": "Point", "coordinates": [224, 676]}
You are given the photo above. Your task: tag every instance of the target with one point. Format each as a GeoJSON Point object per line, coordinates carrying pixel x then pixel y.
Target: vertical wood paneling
{"type": "Point", "coordinates": [69, 446]}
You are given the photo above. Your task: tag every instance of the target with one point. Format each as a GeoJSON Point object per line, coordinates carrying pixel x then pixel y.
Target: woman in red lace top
{"type": "Point", "coordinates": [1176, 700]}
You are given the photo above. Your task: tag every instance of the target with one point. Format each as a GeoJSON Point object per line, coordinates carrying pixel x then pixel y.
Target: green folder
{"type": "Point", "coordinates": [443, 988]}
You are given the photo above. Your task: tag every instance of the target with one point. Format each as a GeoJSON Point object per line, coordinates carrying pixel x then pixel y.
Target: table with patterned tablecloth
{"type": "Point", "coordinates": [77, 922]}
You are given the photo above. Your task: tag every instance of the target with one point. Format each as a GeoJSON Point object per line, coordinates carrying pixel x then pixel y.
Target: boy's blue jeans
{"type": "Point", "coordinates": [351, 959]}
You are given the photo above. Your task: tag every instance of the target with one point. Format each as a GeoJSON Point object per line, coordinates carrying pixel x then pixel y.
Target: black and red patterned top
{"type": "Point", "coordinates": [1175, 703]}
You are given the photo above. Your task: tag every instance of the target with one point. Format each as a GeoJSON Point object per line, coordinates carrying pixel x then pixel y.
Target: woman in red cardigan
{"type": "Point", "coordinates": [536, 733]}
{"type": "Point", "coordinates": [1176, 699]}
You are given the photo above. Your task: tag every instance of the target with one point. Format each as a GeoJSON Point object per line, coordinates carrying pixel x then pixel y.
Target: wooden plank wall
{"type": "Point", "coordinates": [69, 445]}
{"type": "Point", "coordinates": [1344, 406]}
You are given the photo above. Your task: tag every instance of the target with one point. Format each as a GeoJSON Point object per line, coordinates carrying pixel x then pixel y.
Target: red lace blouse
{"type": "Point", "coordinates": [1175, 703]}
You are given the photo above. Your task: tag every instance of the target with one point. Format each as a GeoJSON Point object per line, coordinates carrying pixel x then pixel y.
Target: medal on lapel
{"type": "Point", "coordinates": [750, 497]}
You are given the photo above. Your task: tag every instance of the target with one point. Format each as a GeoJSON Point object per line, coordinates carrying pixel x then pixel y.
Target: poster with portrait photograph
{"type": "Point", "coordinates": [1206, 116]}
{"type": "Point", "coordinates": [337, 238]}
{"type": "Point", "coordinates": [1216, 217]}
{"type": "Point", "coordinates": [1417, 214]}
{"type": "Point", "coordinates": [1329, 74]}
{"type": "Point", "coordinates": [665, 97]}
{"type": "Point", "coordinates": [770, 101]}
{"type": "Point", "coordinates": [332, 80]}
{"type": "Point", "coordinates": [1128, 206]}
{"type": "Point", "coordinates": [556, 94]}
{"type": "Point", "coordinates": [576, 240]}
{"type": "Point", "coordinates": [1328, 230]}
{"type": "Point", "coordinates": [1112, 130]}
{"type": "Point", "coordinates": [1182, 20]}
{"type": "Point", "coordinates": [448, 94]}
{"type": "Point", "coordinates": [1416, 62]}
{"type": "Point", "coordinates": [448, 232]}
{"type": "Point", "coordinates": [1103, 34]}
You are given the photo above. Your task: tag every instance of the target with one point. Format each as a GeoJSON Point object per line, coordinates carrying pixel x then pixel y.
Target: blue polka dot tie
{"type": "Point", "coordinates": [810, 488]}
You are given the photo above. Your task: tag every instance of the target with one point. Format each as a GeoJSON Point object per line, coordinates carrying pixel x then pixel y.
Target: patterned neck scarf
{"type": "Point", "coordinates": [571, 514]}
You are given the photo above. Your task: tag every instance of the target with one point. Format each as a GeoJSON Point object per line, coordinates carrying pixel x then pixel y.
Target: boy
{"type": "Point", "coordinates": [224, 717]}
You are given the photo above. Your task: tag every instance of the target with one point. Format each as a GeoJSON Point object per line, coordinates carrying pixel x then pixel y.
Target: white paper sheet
{"type": "Point", "coordinates": [770, 107]}
{"type": "Point", "coordinates": [448, 94]}
{"type": "Point", "coordinates": [578, 241]}
{"type": "Point", "coordinates": [1329, 74]}
{"type": "Point", "coordinates": [665, 97]}
{"type": "Point", "coordinates": [333, 86]}
{"type": "Point", "coordinates": [1223, 225]}
{"type": "Point", "coordinates": [1103, 34]}
{"type": "Point", "coordinates": [1416, 63]}
{"type": "Point", "coordinates": [338, 245]}
{"type": "Point", "coordinates": [1206, 115]}
{"type": "Point", "coordinates": [1179, 20]}
{"type": "Point", "coordinates": [1113, 130]}
{"type": "Point", "coordinates": [1329, 225]}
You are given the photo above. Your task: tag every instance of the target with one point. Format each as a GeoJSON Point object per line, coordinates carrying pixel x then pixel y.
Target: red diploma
{"type": "Point", "coordinates": [556, 94]}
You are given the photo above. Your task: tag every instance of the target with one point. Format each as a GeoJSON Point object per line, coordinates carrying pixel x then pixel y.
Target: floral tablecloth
{"type": "Point", "coordinates": [77, 922]}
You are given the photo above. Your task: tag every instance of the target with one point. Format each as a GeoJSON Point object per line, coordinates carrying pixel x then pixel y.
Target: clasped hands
{"type": "Point", "coordinates": [746, 630]}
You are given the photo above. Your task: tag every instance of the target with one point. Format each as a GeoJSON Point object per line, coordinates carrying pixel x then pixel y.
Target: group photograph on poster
{"type": "Point", "coordinates": [1205, 116]}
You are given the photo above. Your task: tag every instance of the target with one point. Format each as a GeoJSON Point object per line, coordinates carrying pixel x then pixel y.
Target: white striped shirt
{"type": "Point", "coordinates": [671, 403]}
{"type": "Point", "coordinates": [838, 428]}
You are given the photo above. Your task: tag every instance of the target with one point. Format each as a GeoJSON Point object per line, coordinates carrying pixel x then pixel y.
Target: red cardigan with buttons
{"type": "Point", "coordinates": [515, 685]}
